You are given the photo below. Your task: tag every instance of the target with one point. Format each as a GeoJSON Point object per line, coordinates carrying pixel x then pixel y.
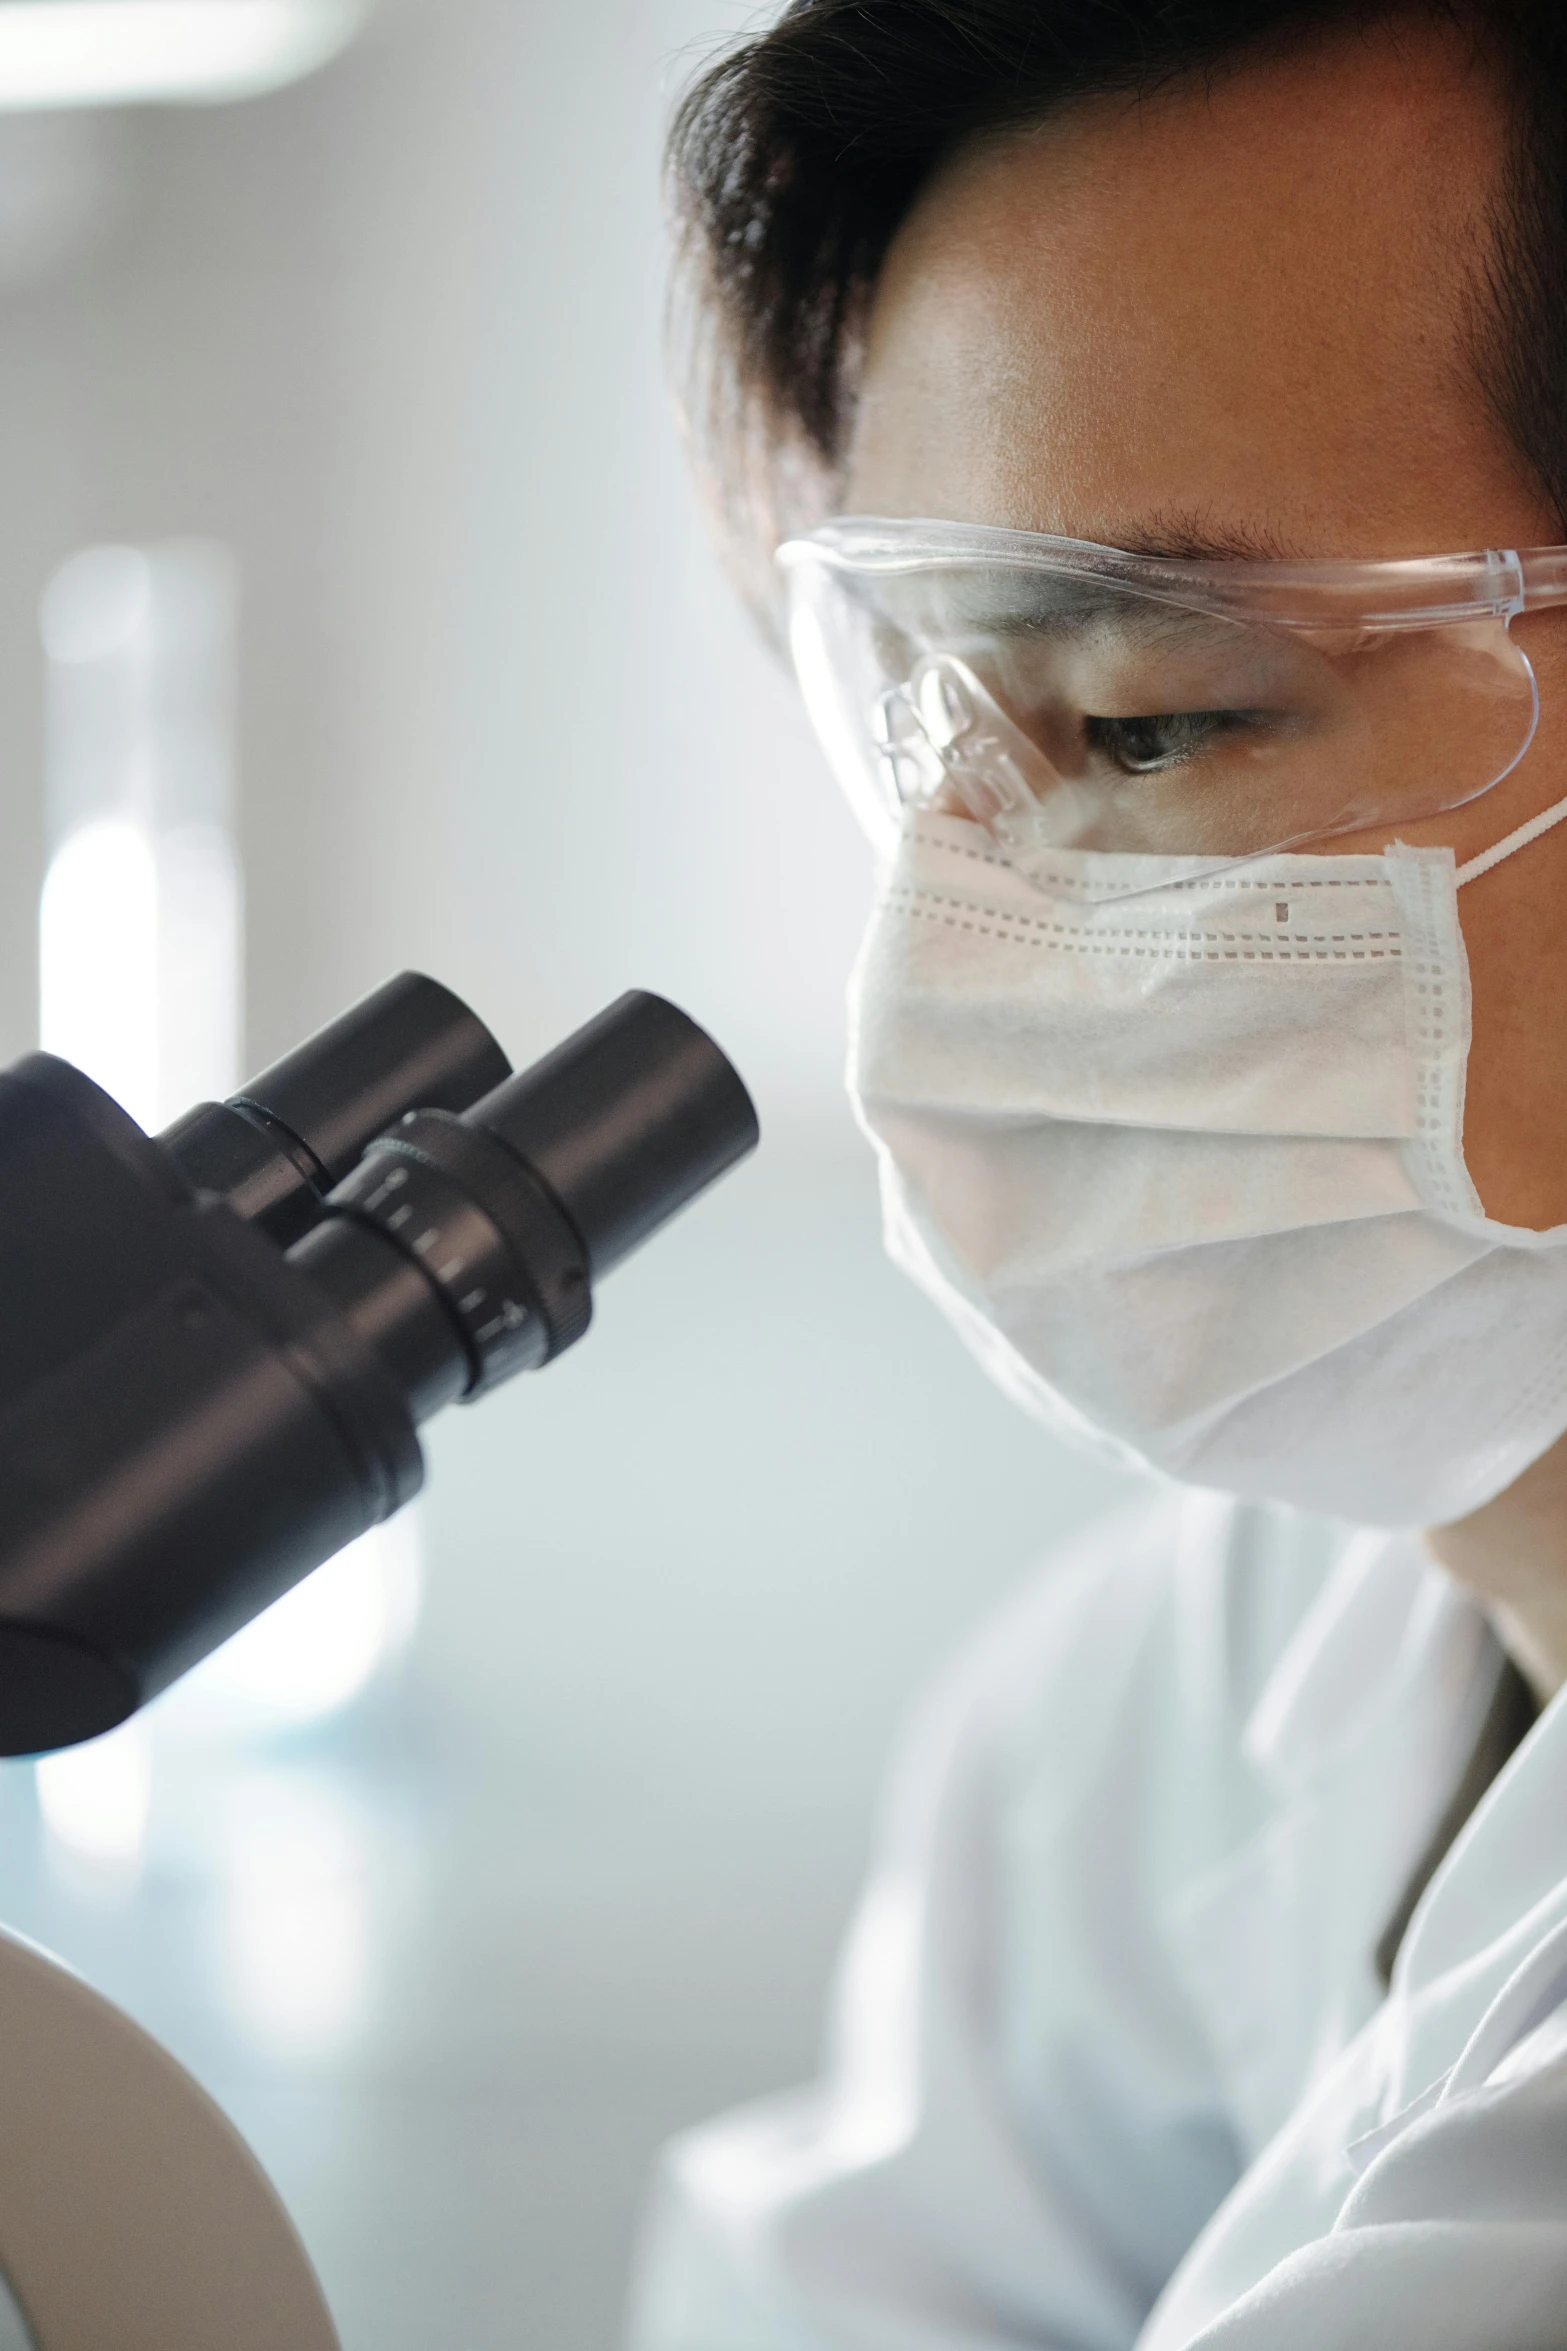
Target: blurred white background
{"type": "Point", "coordinates": [568, 1873]}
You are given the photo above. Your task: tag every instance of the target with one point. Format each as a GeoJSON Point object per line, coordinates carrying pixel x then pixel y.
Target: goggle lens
{"type": "Point", "coordinates": [1070, 714]}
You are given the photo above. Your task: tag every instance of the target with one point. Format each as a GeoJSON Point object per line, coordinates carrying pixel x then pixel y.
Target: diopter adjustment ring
{"type": "Point", "coordinates": [461, 1254]}
{"type": "Point", "coordinates": [506, 1259]}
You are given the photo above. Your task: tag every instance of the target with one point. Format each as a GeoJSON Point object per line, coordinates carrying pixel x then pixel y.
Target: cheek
{"type": "Point", "coordinates": [1515, 930]}
{"type": "Point", "coordinates": [1515, 1118]}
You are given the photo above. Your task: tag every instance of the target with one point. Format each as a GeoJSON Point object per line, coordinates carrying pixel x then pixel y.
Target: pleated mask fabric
{"type": "Point", "coordinates": [1185, 1166]}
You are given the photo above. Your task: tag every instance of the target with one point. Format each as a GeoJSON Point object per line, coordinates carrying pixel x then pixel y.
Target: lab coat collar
{"type": "Point", "coordinates": [1394, 1660]}
{"type": "Point", "coordinates": [1359, 1733]}
{"type": "Point", "coordinates": [1486, 1953]}
{"type": "Point", "coordinates": [1389, 1636]}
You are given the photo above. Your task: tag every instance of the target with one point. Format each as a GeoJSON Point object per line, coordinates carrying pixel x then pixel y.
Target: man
{"type": "Point", "coordinates": [1128, 382]}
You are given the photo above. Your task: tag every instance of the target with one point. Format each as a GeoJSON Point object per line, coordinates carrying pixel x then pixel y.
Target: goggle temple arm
{"type": "Point", "coordinates": [1544, 574]}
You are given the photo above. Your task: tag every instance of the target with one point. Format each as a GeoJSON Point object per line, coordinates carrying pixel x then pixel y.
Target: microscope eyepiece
{"type": "Point", "coordinates": [625, 1122]}
{"type": "Point", "coordinates": [274, 1150]}
{"type": "Point", "coordinates": [510, 1212]}
{"type": "Point", "coordinates": [218, 1346]}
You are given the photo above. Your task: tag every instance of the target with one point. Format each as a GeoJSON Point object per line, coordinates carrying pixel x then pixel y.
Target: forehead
{"type": "Point", "coordinates": [1242, 303]}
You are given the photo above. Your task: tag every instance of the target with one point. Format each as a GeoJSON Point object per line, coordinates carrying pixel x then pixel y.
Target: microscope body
{"type": "Point", "coordinates": [172, 1396]}
{"type": "Point", "coordinates": [216, 1347]}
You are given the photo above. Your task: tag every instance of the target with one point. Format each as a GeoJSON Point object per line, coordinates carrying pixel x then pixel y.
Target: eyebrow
{"type": "Point", "coordinates": [1185, 535]}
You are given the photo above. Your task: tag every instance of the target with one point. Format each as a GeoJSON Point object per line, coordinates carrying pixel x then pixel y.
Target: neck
{"type": "Point", "coordinates": [1512, 1554]}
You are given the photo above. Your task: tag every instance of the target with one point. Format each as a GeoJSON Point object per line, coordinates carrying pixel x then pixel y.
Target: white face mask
{"type": "Point", "coordinates": [1186, 1169]}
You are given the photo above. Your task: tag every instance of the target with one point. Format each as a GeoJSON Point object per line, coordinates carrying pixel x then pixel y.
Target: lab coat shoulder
{"type": "Point", "coordinates": [1454, 2237]}
{"type": "Point", "coordinates": [1418, 2192]}
{"type": "Point", "coordinates": [1021, 2124]}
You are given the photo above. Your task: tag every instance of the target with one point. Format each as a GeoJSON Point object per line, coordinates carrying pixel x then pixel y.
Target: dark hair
{"type": "Point", "coordinates": [795, 158]}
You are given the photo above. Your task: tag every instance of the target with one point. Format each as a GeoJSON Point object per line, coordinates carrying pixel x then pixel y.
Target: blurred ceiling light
{"type": "Point", "coordinates": [142, 52]}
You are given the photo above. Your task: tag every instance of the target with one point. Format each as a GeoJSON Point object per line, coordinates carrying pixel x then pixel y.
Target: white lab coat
{"type": "Point", "coordinates": [1110, 2062]}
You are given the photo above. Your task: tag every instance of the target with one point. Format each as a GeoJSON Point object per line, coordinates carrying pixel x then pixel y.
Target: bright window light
{"type": "Point", "coordinates": [200, 934]}
{"type": "Point", "coordinates": [140, 924]}
{"type": "Point", "coordinates": [118, 52]}
{"type": "Point", "coordinates": [96, 1800]}
{"type": "Point", "coordinates": [98, 960]}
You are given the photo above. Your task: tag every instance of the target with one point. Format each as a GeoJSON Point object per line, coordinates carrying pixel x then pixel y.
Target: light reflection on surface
{"type": "Point", "coordinates": [95, 1802]}
{"type": "Point", "coordinates": [295, 1932]}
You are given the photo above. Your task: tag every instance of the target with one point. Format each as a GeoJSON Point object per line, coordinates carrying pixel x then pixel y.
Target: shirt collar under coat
{"type": "Point", "coordinates": [1360, 1733]}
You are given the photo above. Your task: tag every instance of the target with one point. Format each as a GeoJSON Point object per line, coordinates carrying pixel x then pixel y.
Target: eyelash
{"type": "Point", "coordinates": [1195, 730]}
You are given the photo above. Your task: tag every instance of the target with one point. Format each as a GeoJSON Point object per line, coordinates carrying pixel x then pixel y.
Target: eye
{"type": "Point", "coordinates": [1143, 746]}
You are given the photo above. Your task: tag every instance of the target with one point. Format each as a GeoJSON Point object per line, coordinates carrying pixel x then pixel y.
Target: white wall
{"type": "Point", "coordinates": [396, 336]}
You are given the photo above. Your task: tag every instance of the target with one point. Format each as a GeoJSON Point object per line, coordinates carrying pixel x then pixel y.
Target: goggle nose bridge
{"type": "Point", "coordinates": [930, 733]}
{"type": "Point", "coordinates": [912, 765]}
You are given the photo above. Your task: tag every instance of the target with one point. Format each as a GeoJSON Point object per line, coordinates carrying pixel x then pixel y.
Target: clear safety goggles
{"type": "Point", "coordinates": [1074, 697]}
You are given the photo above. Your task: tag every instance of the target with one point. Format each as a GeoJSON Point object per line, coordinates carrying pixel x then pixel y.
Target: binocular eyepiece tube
{"type": "Point", "coordinates": [216, 1347]}
{"type": "Point", "coordinates": [504, 1217]}
{"type": "Point", "coordinates": [276, 1149]}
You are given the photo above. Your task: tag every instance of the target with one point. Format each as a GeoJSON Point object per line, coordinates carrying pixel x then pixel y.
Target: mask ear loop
{"type": "Point", "coordinates": [1518, 839]}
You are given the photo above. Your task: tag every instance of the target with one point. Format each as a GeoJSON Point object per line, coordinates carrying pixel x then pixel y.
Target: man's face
{"type": "Point", "coordinates": [1241, 318]}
